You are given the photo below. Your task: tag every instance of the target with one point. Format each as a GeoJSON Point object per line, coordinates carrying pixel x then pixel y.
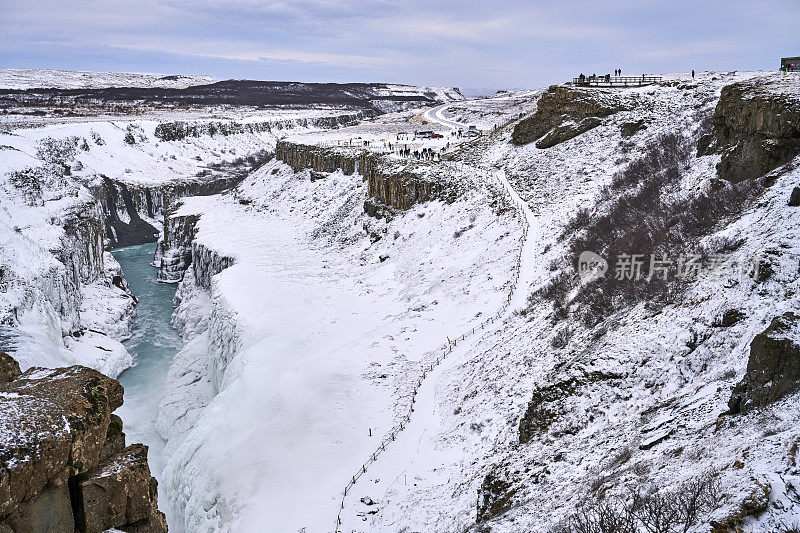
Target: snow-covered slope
{"type": "Point", "coordinates": [27, 78]}
{"type": "Point", "coordinates": [314, 336]}
{"type": "Point", "coordinates": [632, 402]}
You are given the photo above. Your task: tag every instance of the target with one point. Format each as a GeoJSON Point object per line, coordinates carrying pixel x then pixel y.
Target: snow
{"type": "Point", "coordinates": [315, 337]}
{"type": "Point", "coordinates": [313, 346]}
{"type": "Point", "coordinates": [27, 78]}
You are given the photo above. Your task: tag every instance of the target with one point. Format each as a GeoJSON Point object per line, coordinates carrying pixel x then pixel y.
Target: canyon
{"type": "Point", "coordinates": [319, 334]}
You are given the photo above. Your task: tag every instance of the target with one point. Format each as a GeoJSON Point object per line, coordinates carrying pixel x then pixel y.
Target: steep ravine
{"type": "Point", "coordinates": [152, 344]}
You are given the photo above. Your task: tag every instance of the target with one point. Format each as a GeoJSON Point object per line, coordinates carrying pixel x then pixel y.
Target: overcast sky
{"type": "Point", "coordinates": [486, 44]}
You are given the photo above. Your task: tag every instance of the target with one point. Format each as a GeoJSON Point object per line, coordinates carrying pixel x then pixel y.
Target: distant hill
{"type": "Point", "coordinates": [104, 90]}
{"type": "Point", "coordinates": [28, 78]}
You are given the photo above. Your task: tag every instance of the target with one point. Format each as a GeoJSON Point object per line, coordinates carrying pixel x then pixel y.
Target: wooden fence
{"type": "Point", "coordinates": [444, 350]}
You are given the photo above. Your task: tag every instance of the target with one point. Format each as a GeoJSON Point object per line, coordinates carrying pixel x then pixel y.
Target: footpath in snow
{"type": "Point", "coordinates": [407, 455]}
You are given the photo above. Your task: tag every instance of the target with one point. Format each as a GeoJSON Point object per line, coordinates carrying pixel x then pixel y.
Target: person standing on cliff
{"type": "Point", "coordinates": [692, 73]}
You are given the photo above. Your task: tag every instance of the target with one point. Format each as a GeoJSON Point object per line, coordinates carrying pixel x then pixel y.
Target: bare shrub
{"type": "Point", "coordinates": [251, 161]}
{"type": "Point", "coordinates": [561, 337]}
{"type": "Point", "coordinates": [652, 512]}
{"type": "Point", "coordinates": [638, 216]}
{"type": "Point", "coordinates": [57, 151]}
{"type": "Point", "coordinates": [29, 182]}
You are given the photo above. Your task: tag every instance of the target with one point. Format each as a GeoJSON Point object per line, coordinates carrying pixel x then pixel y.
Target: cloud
{"type": "Point", "coordinates": [478, 44]}
{"type": "Point", "coordinates": [242, 51]}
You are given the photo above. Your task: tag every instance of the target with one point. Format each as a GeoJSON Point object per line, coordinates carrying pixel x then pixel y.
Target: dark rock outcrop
{"type": "Point", "coordinates": [566, 109]}
{"type": "Point", "coordinates": [397, 185]}
{"type": "Point", "coordinates": [773, 370]}
{"type": "Point", "coordinates": [629, 129]}
{"type": "Point", "coordinates": [9, 368]}
{"type": "Point", "coordinates": [495, 496]}
{"type": "Point", "coordinates": [794, 198]}
{"type": "Point", "coordinates": [543, 409]}
{"type": "Point", "coordinates": [119, 493]}
{"type": "Point", "coordinates": [757, 128]}
{"type": "Point", "coordinates": [57, 431]}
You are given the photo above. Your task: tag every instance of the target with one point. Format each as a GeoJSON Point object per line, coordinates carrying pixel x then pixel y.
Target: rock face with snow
{"type": "Point", "coordinates": [395, 185]}
{"type": "Point", "coordinates": [179, 130]}
{"type": "Point", "coordinates": [128, 207]}
{"type": "Point", "coordinates": [9, 368]}
{"type": "Point", "coordinates": [773, 369]}
{"type": "Point", "coordinates": [564, 112]}
{"type": "Point", "coordinates": [180, 251]}
{"type": "Point", "coordinates": [757, 126]}
{"type": "Point", "coordinates": [174, 254]}
{"type": "Point", "coordinates": [61, 467]}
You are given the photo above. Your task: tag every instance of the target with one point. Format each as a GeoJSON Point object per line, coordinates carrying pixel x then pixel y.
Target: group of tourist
{"type": "Point", "coordinates": [594, 77]}
{"type": "Point", "coordinates": [791, 67]}
{"type": "Point", "coordinates": [426, 154]}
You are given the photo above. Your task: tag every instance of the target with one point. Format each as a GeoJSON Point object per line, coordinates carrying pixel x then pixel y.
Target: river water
{"type": "Point", "coordinates": [153, 344]}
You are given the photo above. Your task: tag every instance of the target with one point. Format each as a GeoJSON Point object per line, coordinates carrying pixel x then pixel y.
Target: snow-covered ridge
{"type": "Point", "coordinates": [27, 78]}
{"type": "Point", "coordinates": [439, 94]}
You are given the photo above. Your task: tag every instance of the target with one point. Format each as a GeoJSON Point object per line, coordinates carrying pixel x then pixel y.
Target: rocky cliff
{"type": "Point", "coordinates": [75, 258]}
{"type": "Point", "coordinates": [174, 252]}
{"type": "Point", "coordinates": [757, 126]}
{"type": "Point", "coordinates": [64, 465]}
{"type": "Point", "coordinates": [564, 112]}
{"type": "Point", "coordinates": [178, 251]}
{"type": "Point", "coordinates": [179, 130]}
{"type": "Point", "coordinates": [397, 184]}
{"type": "Point", "coordinates": [773, 368]}
{"type": "Point", "coordinates": [128, 207]}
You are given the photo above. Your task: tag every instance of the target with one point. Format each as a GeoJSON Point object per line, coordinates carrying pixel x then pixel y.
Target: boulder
{"type": "Point", "coordinates": [9, 368]}
{"type": "Point", "coordinates": [61, 447]}
{"type": "Point", "coordinates": [773, 370]}
{"type": "Point", "coordinates": [119, 493]}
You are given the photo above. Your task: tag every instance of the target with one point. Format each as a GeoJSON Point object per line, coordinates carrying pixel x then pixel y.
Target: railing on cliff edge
{"type": "Point", "coordinates": [615, 81]}
{"type": "Point", "coordinates": [444, 350]}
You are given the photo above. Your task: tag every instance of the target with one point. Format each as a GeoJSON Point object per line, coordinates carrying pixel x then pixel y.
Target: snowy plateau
{"type": "Point", "coordinates": [388, 331]}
